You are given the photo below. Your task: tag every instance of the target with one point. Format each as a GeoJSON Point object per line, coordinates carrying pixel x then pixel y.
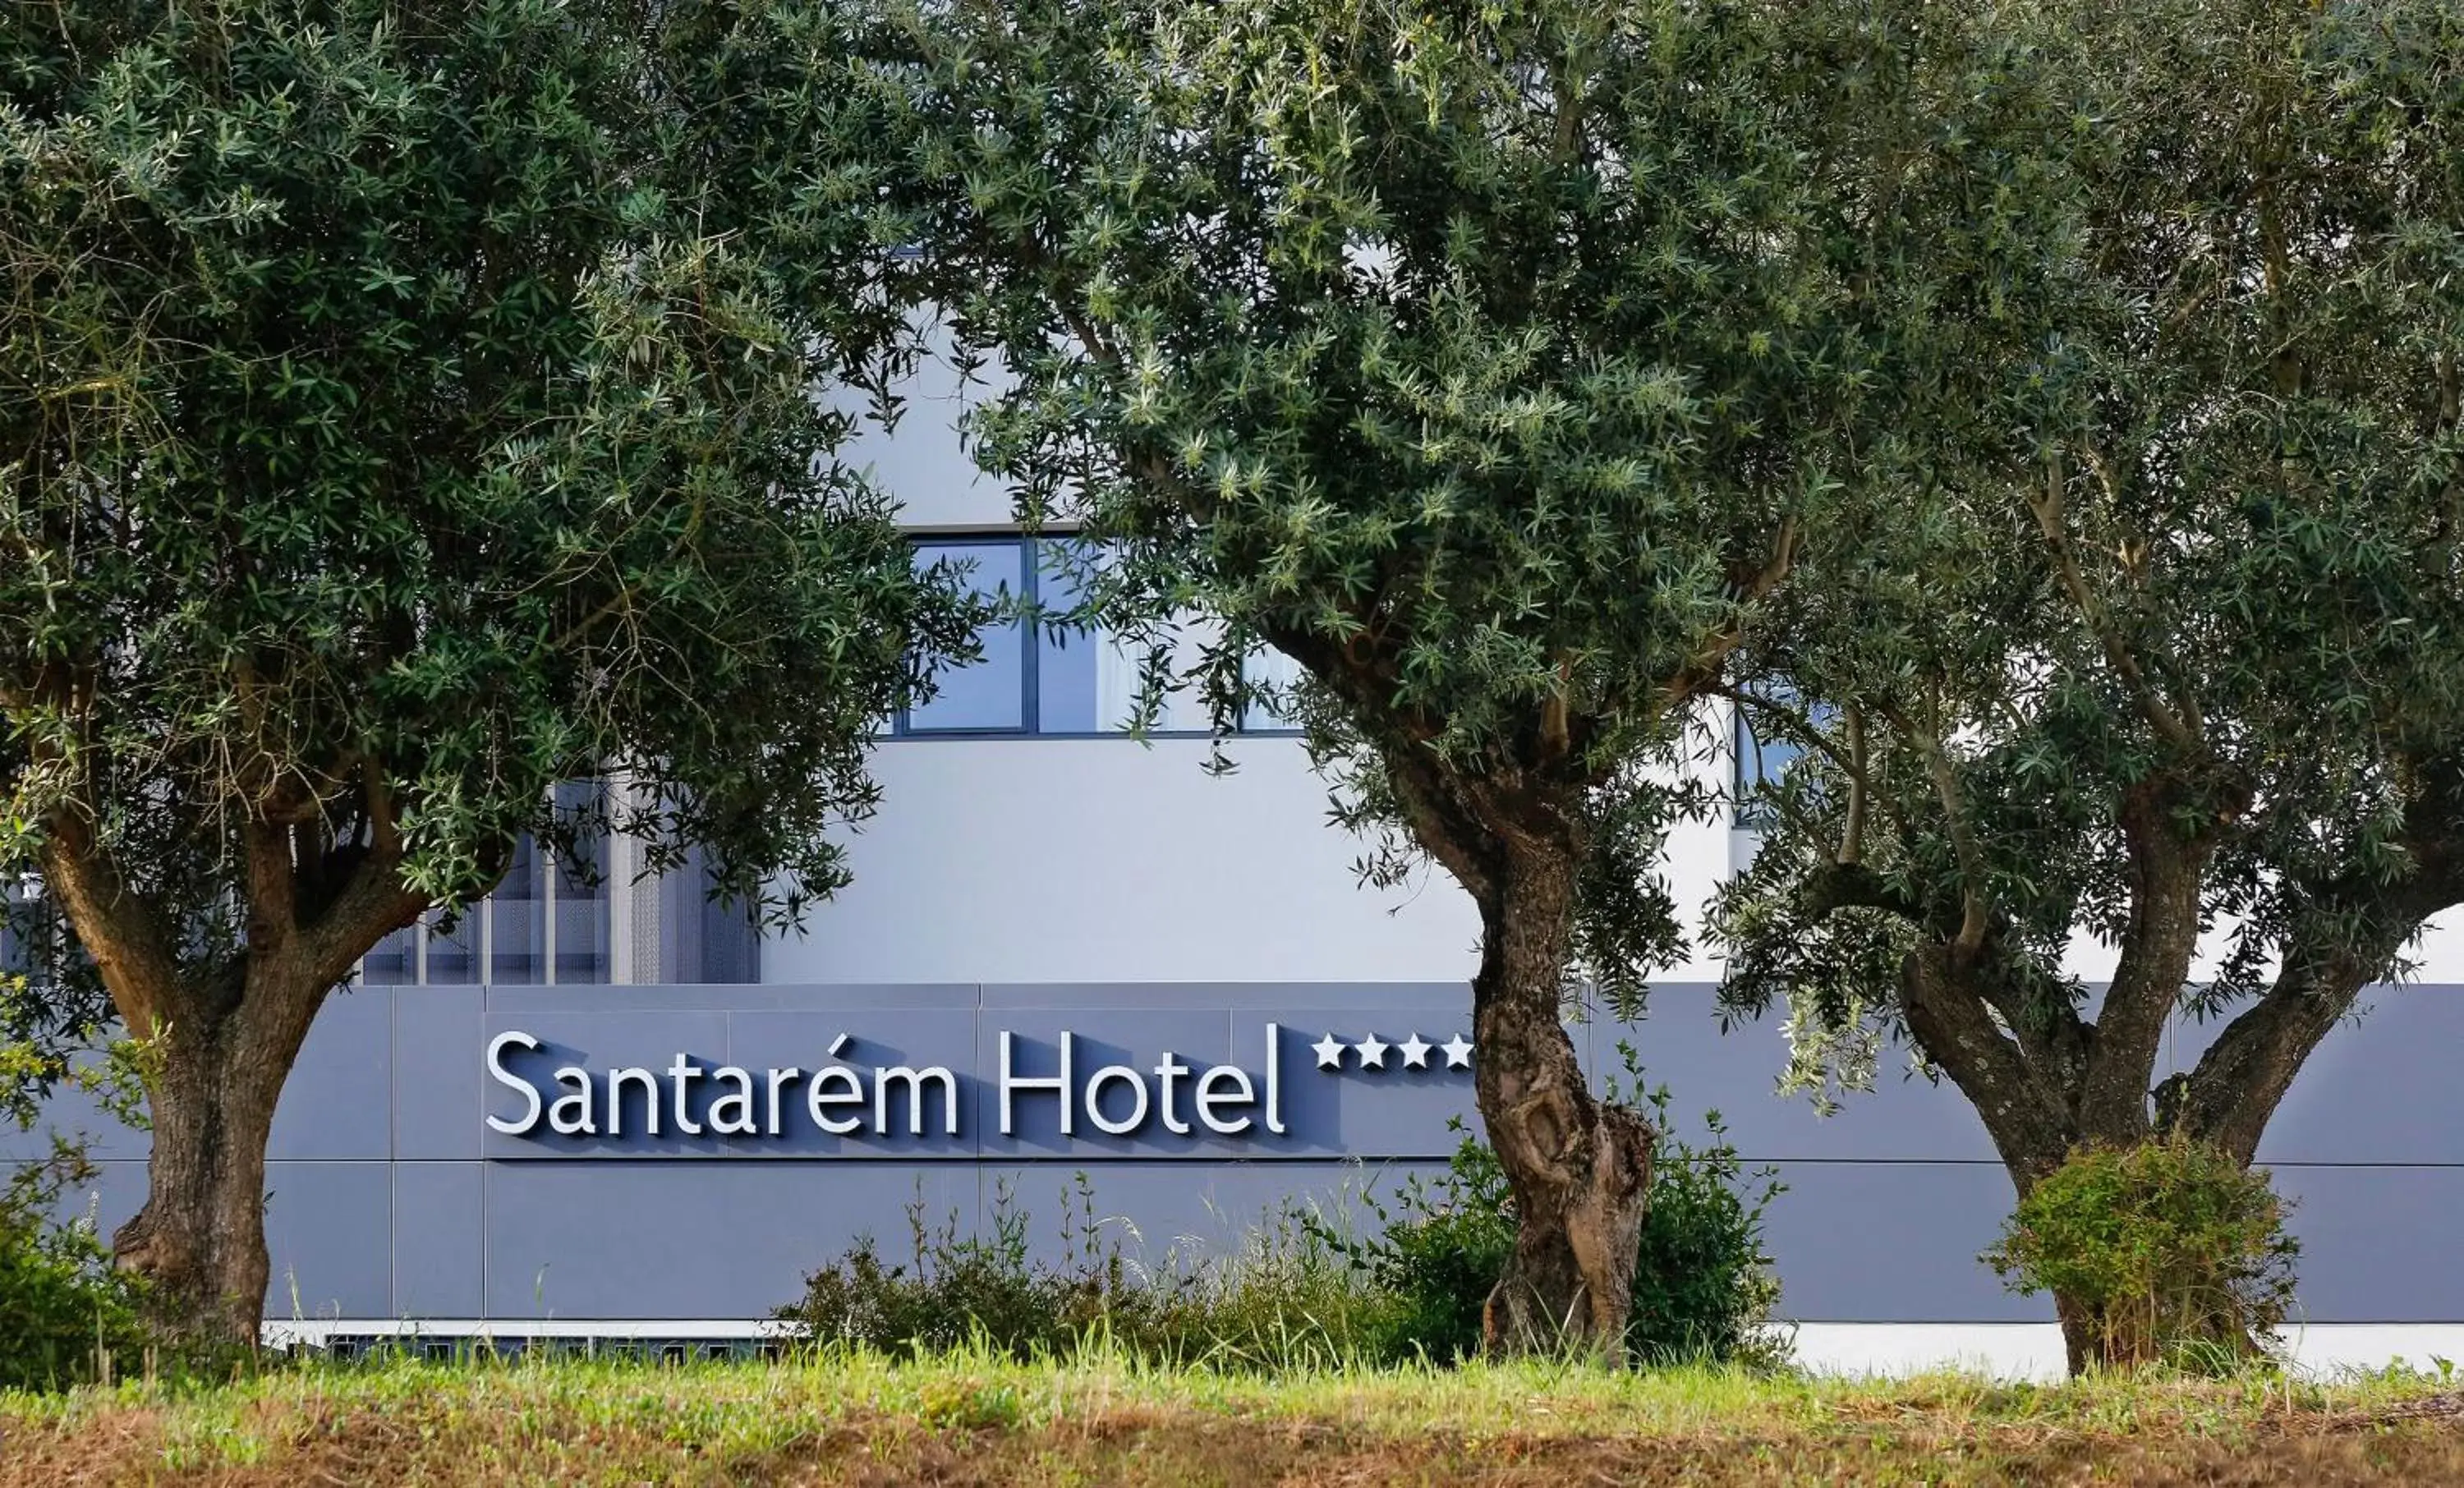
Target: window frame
{"type": "Point", "coordinates": [1031, 670]}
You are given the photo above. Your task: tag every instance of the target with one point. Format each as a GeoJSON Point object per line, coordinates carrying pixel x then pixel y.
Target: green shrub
{"type": "Point", "coordinates": [67, 1315]}
{"type": "Point", "coordinates": [955, 1290]}
{"type": "Point", "coordinates": [1305, 1292]}
{"type": "Point", "coordinates": [2168, 1251]}
{"type": "Point", "coordinates": [1703, 1289]}
{"type": "Point", "coordinates": [1286, 1300]}
{"type": "Point", "coordinates": [1440, 1255]}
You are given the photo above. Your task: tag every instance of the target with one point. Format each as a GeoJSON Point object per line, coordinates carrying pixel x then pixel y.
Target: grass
{"type": "Point", "coordinates": [858, 1419]}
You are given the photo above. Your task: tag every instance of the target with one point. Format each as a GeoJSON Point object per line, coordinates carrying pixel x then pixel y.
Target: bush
{"type": "Point", "coordinates": [1702, 1286]}
{"type": "Point", "coordinates": [1305, 1292]}
{"type": "Point", "coordinates": [2169, 1251]}
{"type": "Point", "coordinates": [1286, 1300]}
{"type": "Point", "coordinates": [66, 1313]}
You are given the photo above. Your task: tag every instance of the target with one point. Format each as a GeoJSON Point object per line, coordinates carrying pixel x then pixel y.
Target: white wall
{"type": "Point", "coordinates": [924, 462]}
{"type": "Point", "coordinates": [1098, 860]}
{"type": "Point", "coordinates": [1074, 859]}
{"type": "Point", "coordinates": [1060, 850]}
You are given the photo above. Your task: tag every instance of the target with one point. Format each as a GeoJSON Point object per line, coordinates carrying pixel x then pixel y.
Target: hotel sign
{"type": "Point", "coordinates": [1043, 1089]}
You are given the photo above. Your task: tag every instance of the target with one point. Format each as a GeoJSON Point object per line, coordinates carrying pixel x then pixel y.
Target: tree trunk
{"type": "Point", "coordinates": [2034, 1122]}
{"type": "Point", "coordinates": [2083, 1342]}
{"type": "Point", "coordinates": [199, 1241]}
{"type": "Point", "coordinates": [1580, 1167]}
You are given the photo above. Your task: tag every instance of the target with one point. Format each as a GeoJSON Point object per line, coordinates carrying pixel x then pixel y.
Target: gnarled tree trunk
{"type": "Point", "coordinates": [1579, 1167]}
{"type": "Point", "coordinates": [225, 1032]}
{"type": "Point", "coordinates": [199, 1241]}
{"type": "Point", "coordinates": [2035, 1088]}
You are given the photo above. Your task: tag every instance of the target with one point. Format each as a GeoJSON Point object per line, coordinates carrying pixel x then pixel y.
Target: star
{"type": "Point", "coordinates": [1414, 1052]}
{"type": "Point", "coordinates": [1372, 1054]}
{"type": "Point", "coordinates": [1457, 1053]}
{"type": "Point", "coordinates": [1329, 1051]}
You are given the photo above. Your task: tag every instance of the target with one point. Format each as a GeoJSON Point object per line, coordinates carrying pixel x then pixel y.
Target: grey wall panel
{"type": "Point", "coordinates": [2379, 1090]}
{"type": "Point", "coordinates": [329, 1233]}
{"type": "Point", "coordinates": [2379, 1244]}
{"type": "Point", "coordinates": [1679, 1044]}
{"type": "Point", "coordinates": [439, 1240]}
{"type": "Point", "coordinates": [117, 1191]}
{"type": "Point", "coordinates": [438, 1086]}
{"type": "Point", "coordinates": [70, 1114]}
{"type": "Point", "coordinates": [1390, 1110]}
{"type": "Point", "coordinates": [1159, 1214]}
{"type": "Point", "coordinates": [1893, 1242]}
{"type": "Point", "coordinates": [335, 1105]}
{"type": "Point", "coordinates": [666, 1239]}
{"type": "Point", "coordinates": [1891, 1199]}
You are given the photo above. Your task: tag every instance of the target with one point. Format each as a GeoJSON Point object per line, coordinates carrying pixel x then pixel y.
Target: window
{"type": "Point", "coordinates": [547, 922]}
{"type": "Point", "coordinates": [1057, 681]}
{"type": "Point", "coordinates": [992, 695]}
{"type": "Point", "coordinates": [1761, 762]}
{"type": "Point", "coordinates": [506, 932]}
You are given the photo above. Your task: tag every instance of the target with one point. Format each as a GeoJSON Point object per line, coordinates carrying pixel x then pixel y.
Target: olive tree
{"type": "Point", "coordinates": [2171, 654]}
{"type": "Point", "coordinates": [405, 407]}
{"type": "Point", "coordinates": [1497, 365]}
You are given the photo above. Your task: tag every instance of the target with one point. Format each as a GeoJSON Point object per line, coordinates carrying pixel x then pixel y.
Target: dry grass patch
{"type": "Point", "coordinates": [858, 1419]}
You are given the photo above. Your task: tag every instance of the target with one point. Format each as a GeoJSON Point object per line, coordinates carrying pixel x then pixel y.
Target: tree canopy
{"type": "Point", "coordinates": [1498, 366]}
{"type": "Point", "coordinates": [2170, 654]}
{"type": "Point", "coordinates": [404, 408]}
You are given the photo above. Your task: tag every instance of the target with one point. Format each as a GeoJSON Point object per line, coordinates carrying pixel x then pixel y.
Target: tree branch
{"type": "Point", "coordinates": [1700, 676]}
{"type": "Point", "coordinates": [2050, 520]}
{"type": "Point", "coordinates": [2157, 947]}
{"type": "Point", "coordinates": [2230, 1094]}
{"type": "Point", "coordinates": [129, 944]}
{"type": "Point", "coordinates": [1852, 833]}
{"type": "Point", "coordinates": [271, 877]}
{"type": "Point", "coordinates": [2026, 1116]}
{"type": "Point", "coordinates": [1975, 910]}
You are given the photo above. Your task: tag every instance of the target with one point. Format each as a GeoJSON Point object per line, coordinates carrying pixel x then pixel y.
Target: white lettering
{"type": "Point", "coordinates": [1011, 1083]}
{"type": "Point", "coordinates": [580, 1097]}
{"type": "Point", "coordinates": [617, 1081]}
{"type": "Point", "coordinates": [1274, 1080]}
{"type": "Point", "coordinates": [680, 1078]}
{"type": "Point", "coordinates": [852, 1095]}
{"type": "Point", "coordinates": [915, 1079]}
{"type": "Point", "coordinates": [1209, 1097]}
{"type": "Point", "coordinates": [848, 1100]}
{"type": "Point", "coordinates": [514, 1039]}
{"type": "Point", "coordinates": [741, 1123]}
{"type": "Point", "coordinates": [1168, 1070]}
{"type": "Point", "coordinates": [1095, 1083]}
{"type": "Point", "coordinates": [779, 1078]}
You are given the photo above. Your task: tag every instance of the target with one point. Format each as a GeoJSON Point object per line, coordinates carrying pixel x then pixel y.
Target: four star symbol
{"type": "Point", "coordinates": [1415, 1049]}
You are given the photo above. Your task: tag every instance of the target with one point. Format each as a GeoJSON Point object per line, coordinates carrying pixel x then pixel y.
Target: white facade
{"type": "Point", "coordinates": [1067, 860]}
{"type": "Point", "coordinates": [1039, 859]}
